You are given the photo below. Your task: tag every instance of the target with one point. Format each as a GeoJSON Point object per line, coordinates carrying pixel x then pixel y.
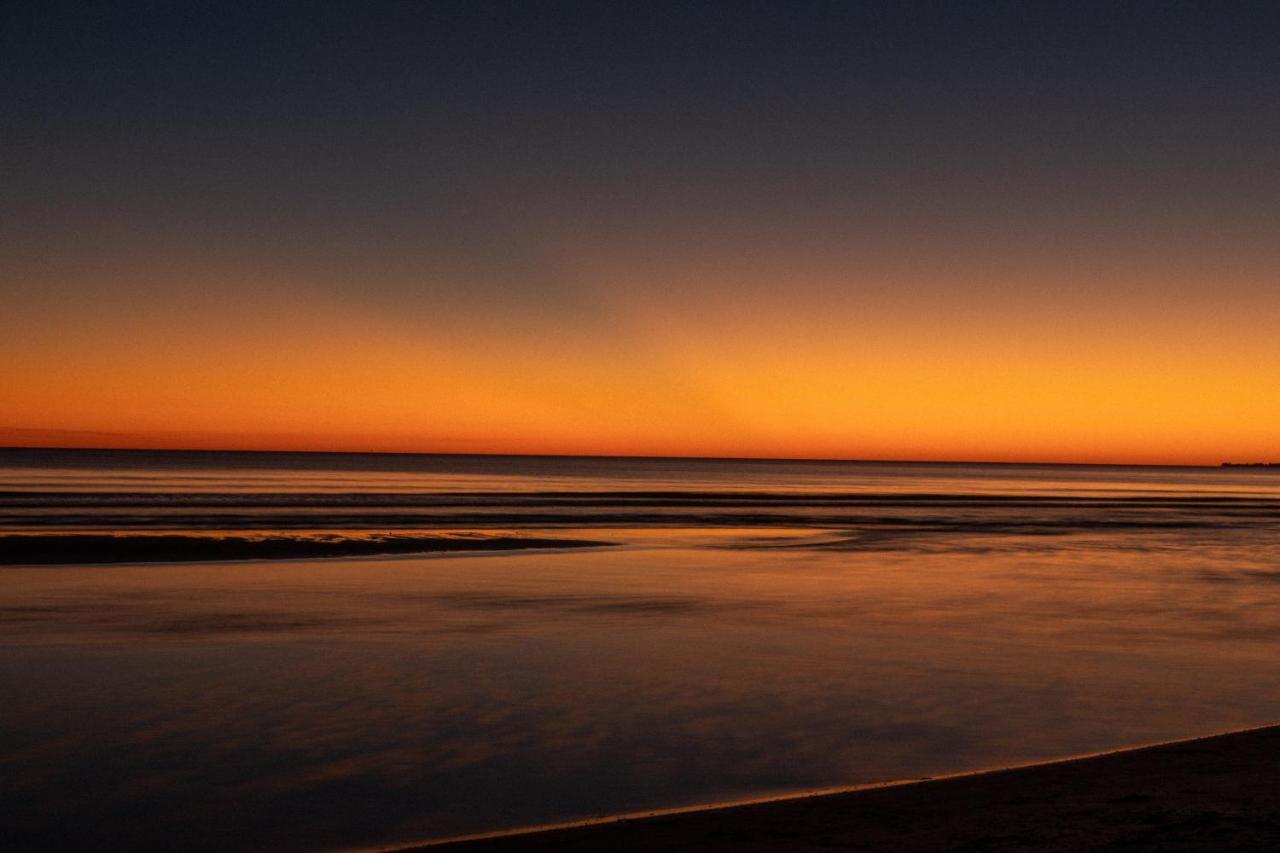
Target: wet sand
{"type": "Point", "coordinates": [1214, 793]}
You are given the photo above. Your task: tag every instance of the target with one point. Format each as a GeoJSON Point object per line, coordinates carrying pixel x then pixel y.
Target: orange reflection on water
{"type": "Point", "coordinates": [287, 702]}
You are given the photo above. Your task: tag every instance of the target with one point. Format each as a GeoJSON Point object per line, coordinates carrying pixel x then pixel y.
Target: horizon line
{"type": "Point", "coordinates": [638, 456]}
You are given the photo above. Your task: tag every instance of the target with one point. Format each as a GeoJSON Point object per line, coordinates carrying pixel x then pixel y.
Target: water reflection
{"type": "Point", "coordinates": [318, 704]}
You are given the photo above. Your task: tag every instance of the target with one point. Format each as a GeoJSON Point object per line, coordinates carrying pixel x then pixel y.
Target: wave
{"type": "Point", "coordinates": [286, 499]}
{"type": "Point", "coordinates": [383, 521]}
{"type": "Point", "coordinates": [70, 549]}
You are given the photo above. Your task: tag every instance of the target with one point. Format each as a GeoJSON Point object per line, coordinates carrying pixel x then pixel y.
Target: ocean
{"type": "Point", "coordinates": [236, 651]}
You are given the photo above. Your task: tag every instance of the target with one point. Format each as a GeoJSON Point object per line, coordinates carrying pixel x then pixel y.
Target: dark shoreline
{"type": "Point", "coordinates": [1211, 793]}
{"type": "Point", "coordinates": [91, 548]}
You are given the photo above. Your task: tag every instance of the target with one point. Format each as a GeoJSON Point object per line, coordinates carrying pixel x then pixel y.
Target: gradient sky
{"type": "Point", "coordinates": [965, 230]}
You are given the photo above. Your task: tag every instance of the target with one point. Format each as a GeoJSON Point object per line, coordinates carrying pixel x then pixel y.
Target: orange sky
{"type": "Point", "coordinates": [975, 232]}
{"type": "Point", "coordinates": [846, 356]}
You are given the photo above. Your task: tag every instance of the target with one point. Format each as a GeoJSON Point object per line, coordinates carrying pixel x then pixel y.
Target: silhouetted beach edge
{"type": "Point", "coordinates": [1206, 793]}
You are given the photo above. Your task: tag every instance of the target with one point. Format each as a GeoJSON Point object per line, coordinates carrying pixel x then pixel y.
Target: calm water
{"type": "Point", "coordinates": [751, 628]}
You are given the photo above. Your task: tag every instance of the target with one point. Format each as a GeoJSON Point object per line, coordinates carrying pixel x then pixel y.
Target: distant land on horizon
{"type": "Point", "coordinates": [638, 456]}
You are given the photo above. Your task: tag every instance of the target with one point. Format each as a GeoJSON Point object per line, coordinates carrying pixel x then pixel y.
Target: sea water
{"type": "Point", "coordinates": [743, 629]}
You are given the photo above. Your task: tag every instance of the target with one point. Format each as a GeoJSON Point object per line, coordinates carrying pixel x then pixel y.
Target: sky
{"type": "Point", "coordinates": [952, 230]}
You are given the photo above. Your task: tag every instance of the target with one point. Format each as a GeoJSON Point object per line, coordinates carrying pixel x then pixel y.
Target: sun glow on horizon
{"type": "Point", "coordinates": [947, 252]}
{"type": "Point", "coordinates": [766, 376]}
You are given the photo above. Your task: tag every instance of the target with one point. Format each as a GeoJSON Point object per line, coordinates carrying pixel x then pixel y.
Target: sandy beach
{"type": "Point", "coordinates": [1214, 793]}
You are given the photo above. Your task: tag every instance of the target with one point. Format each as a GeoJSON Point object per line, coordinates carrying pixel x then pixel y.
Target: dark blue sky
{"type": "Point", "coordinates": [303, 118]}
